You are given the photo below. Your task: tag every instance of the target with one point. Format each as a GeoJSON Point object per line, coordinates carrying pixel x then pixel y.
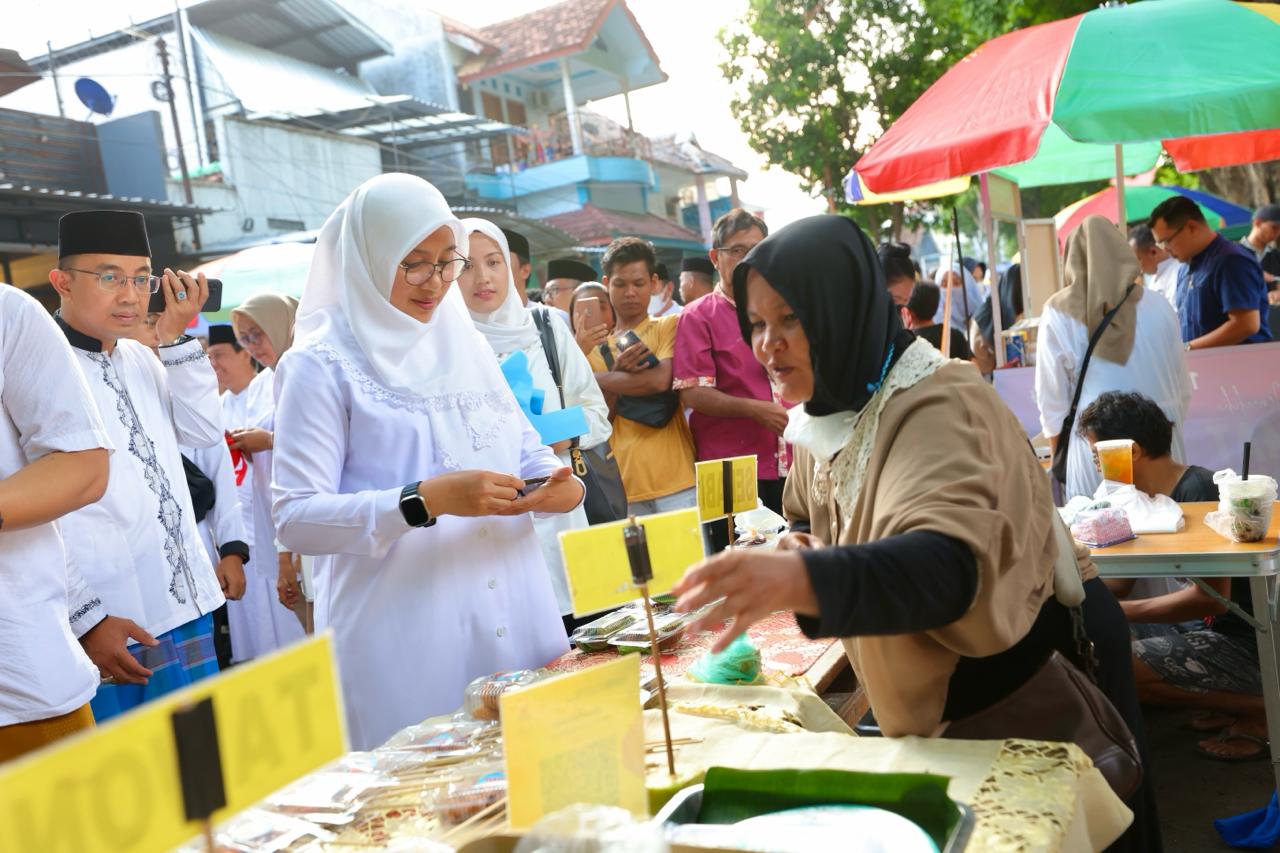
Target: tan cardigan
{"type": "Point", "coordinates": [950, 457]}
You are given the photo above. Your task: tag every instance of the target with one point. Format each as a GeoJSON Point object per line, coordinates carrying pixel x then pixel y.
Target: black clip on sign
{"type": "Point", "coordinates": [727, 484]}
{"type": "Point", "coordinates": [637, 553]}
{"type": "Point", "coordinates": [199, 762]}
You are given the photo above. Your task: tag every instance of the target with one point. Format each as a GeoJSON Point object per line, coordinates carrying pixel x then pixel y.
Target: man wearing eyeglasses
{"type": "Point", "coordinates": [1221, 296]}
{"type": "Point", "coordinates": [138, 547]}
{"type": "Point", "coordinates": [563, 277]}
{"type": "Point", "coordinates": [733, 408]}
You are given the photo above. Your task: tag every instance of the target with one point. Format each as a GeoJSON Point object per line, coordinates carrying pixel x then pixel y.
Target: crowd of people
{"type": "Point", "coordinates": [356, 461]}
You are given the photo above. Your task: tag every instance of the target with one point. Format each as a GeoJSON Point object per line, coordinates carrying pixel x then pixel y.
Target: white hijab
{"type": "Point", "coordinates": [977, 295]}
{"type": "Point", "coordinates": [510, 327]}
{"type": "Point", "coordinates": [349, 284]}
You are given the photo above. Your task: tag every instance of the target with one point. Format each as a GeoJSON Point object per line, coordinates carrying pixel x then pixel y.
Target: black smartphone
{"type": "Point", "coordinates": [628, 339]}
{"type": "Point", "coordinates": [532, 485]}
{"type": "Point", "coordinates": [213, 303]}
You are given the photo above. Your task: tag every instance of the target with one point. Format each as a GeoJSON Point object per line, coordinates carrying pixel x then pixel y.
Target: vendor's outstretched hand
{"type": "Point", "coordinates": [753, 584]}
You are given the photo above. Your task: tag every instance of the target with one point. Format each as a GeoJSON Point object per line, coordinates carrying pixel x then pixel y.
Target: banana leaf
{"type": "Point", "coordinates": [731, 795]}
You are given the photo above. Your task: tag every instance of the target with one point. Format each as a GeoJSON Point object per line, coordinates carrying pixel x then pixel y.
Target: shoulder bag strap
{"type": "Point", "coordinates": [1088, 354]}
{"type": "Point", "coordinates": [542, 319]}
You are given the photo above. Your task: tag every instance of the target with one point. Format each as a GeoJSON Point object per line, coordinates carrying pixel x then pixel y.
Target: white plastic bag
{"type": "Point", "coordinates": [1147, 513]}
{"type": "Point", "coordinates": [1244, 506]}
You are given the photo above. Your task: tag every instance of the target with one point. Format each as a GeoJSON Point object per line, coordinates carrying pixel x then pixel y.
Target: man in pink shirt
{"type": "Point", "coordinates": [733, 410]}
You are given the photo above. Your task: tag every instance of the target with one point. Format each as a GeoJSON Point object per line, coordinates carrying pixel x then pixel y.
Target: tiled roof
{"type": "Point", "coordinates": [458, 28]}
{"type": "Point", "coordinates": [542, 34]}
{"type": "Point", "coordinates": [593, 226]}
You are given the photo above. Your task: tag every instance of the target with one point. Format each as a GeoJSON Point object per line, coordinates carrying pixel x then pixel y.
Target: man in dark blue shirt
{"type": "Point", "coordinates": [1221, 297]}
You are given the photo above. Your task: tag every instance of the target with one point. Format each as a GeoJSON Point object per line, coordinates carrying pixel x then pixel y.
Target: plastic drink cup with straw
{"type": "Point", "coordinates": [1115, 458]}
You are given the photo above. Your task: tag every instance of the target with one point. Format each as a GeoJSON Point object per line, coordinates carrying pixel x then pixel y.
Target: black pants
{"type": "Point", "coordinates": [222, 637]}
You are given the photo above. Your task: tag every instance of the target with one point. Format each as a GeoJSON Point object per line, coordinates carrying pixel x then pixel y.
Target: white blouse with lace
{"type": "Point", "coordinates": [416, 613]}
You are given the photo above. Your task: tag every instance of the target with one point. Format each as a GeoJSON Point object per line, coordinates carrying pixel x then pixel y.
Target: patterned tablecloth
{"type": "Point", "coordinates": [783, 649]}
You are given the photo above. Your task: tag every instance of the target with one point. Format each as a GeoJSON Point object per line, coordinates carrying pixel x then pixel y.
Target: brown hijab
{"type": "Point", "coordinates": [274, 314]}
{"type": "Point", "coordinates": [1100, 266]}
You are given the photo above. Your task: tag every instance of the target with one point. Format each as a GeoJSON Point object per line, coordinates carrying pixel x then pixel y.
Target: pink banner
{"type": "Point", "coordinates": [1235, 398]}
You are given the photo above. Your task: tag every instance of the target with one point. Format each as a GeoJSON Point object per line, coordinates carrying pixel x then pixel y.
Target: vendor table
{"type": "Point", "coordinates": [1198, 551]}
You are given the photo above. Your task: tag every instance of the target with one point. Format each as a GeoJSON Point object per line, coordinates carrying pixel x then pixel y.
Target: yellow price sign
{"type": "Point", "coordinates": [595, 559]}
{"type": "Point", "coordinates": [576, 738]}
{"type": "Point", "coordinates": [116, 787]}
{"type": "Point", "coordinates": [726, 486]}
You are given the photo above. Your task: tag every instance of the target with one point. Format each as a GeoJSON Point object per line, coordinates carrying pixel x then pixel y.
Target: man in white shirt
{"type": "Point", "coordinates": [53, 460]}
{"type": "Point", "coordinates": [564, 275]}
{"type": "Point", "coordinates": [663, 302]}
{"type": "Point", "coordinates": [138, 547]}
{"type": "Point", "coordinates": [1159, 268]}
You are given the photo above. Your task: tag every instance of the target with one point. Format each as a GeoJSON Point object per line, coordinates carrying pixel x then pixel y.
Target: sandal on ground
{"type": "Point", "coordinates": [1209, 722]}
{"type": "Point", "coordinates": [1226, 736]}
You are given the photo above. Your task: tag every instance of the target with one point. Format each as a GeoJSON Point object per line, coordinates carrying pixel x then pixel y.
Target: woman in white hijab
{"type": "Point", "coordinates": [399, 455]}
{"type": "Point", "coordinates": [488, 288]}
{"type": "Point", "coordinates": [953, 277]}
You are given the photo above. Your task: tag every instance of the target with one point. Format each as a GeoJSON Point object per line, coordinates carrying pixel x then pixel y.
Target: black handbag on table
{"type": "Point", "coordinates": [606, 499]}
{"type": "Point", "coordinates": [1069, 422]}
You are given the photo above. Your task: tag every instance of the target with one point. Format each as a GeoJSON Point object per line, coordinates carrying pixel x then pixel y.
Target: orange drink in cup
{"type": "Point", "coordinates": [1115, 458]}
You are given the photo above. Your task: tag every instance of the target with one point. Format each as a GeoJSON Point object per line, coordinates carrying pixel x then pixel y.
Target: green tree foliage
{"type": "Point", "coordinates": [977, 21]}
{"type": "Point", "coordinates": [817, 82]}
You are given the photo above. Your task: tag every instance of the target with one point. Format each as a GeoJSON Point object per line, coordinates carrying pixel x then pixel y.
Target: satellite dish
{"type": "Point", "coordinates": [93, 96]}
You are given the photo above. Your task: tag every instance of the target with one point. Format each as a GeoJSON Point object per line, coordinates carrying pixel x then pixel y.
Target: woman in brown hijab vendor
{"type": "Point", "coordinates": [922, 522]}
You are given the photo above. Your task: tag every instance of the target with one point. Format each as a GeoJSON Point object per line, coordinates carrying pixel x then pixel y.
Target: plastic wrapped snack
{"type": "Point", "coordinates": [668, 626]}
{"type": "Point", "coordinates": [326, 797]}
{"type": "Point", "coordinates": [260, 831]}
{"type": "Point", "coordinates": [481, 788]}
{"type": "Point", "coordinates": [594, 636]}
{"type": "Point", "coordinates": [482, 695]}
{"type": "Point", "coordinates": [1244, 506]}
{"type": "Point", "coordinates": [1099, 528]}
{"type": "Point", "coordinates": [441, 740]}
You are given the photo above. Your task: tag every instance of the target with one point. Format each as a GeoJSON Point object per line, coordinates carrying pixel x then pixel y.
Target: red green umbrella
{"type": "Point", "coordinates": [1143, 74]}
{"type": "Point", "coordinates": [1219, 213]}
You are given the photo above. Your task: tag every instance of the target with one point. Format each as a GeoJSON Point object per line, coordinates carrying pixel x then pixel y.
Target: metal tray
{"type": "Point", "coordinates": [685, 805]}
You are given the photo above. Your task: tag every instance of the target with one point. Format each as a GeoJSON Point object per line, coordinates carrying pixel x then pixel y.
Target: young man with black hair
{"type": "Point", "coordinates": [1213, 665]}
{"type": "Point", "coordinates": [663, 302]}
{"type": "Point", "coordinates": [1222, 297]}
{"type": "Point", "coordinates": [521, 265]}
{"type": "Point", "coordinates": [920, 310]}
{"type": "Point", "coordinates": [656, 461]}
{"type": "Point", "coordinates": [734, 412]}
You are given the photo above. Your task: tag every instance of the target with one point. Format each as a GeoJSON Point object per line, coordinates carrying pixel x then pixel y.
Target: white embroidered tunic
{"type": "Point", "coordinates": [138, 548]}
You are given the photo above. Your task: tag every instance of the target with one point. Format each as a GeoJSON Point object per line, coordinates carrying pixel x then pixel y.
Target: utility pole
{"type": "Point", "coordinates": [162, 49]}
{"type": "Point", "coordinates": [53, 72]}
{"type": "Point", "coordinates": [181, 32]}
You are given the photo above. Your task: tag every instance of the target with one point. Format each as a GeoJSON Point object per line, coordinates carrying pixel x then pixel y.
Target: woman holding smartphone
{"type": "Point", "coordinates": [399, 461]}
{"type": "Point", "coordinates": [488, 288]}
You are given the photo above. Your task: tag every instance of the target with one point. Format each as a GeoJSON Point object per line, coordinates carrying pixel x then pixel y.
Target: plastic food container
{"type": "Point", "coordinates": [1099, 528]}
{"type": "Point", "coordinates": [594, 636]}
{"type": "Point", "coordinates": [669, 628]}
{"type": "Point", "coordinates": [440, 740]}
{"type": "Point", "coordinates": [1244, 506]}
{"type": "Point", "coordinates": [480, 702]}
{"type": "Point", "coordinates": [481, 788]}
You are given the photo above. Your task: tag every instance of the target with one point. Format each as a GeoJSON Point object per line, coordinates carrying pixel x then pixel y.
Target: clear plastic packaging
{"type": "Point", "coordinates": [586, 828]}
{"type": "Point", "coordinates": [594, 636]}
{"type": "Point", "coordinates": [669, 628]}
{"type": "Point", "coordinates": [260, 831]}
{"type": "Point", "coordinates": [480, 701]}
{"type": "Point", "coordinates": [480, 788]}
{"type": "Point", "coordinates": [1244, 506]}
{"type": "Point", "coordinates": [1099, 528]}
{"type": "Point", "coordinates": [441, 740]}
{"type": "Point", "coordinates": [327, 797]}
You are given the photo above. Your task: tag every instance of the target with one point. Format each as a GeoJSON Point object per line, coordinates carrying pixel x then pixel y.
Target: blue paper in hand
{"type": "Point", "coordinates": [552, 426]}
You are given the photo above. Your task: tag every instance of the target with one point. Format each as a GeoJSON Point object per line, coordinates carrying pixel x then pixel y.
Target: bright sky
{"type": "Point", "coordinates": [695, 97]}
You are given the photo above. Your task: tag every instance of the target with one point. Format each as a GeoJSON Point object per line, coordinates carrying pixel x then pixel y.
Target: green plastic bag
{"type": "Point", "coordinates": [737, 664]}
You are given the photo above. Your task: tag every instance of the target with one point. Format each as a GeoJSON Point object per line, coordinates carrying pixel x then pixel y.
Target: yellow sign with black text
{"type": "Point", "coordinates": [115, 788]}
{"type": "Point", "coordinates": [726, 486]}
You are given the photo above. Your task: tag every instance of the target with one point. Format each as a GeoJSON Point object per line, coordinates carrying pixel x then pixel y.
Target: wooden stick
{"type": "Point", "coordinates": [207, 826]}
{"type": "Point", "coordinates": [657, 668]}
{"type": "Point", "coordinates": [487, 811]}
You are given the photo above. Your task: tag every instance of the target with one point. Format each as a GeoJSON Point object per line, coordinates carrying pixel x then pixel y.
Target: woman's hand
{"type": "Point", "coordinates": [589, 339]}
{"type": "Point", "coordinates": [752, 584]}
{"type": "Point", "coordinates": [471, 493]}
{"type": "Point", "coordinates": [562, 446]}
{"type": "Point", "coordinates": [288, 585]}
{"type": "Point", "coordinates": [252, 440]}
{"type": "Point", "coordinates": [799, 542]}
{"type": "Point", "coordinates": [560, 493]}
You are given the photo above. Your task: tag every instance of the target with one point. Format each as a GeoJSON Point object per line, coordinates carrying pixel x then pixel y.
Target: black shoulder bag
{"type": "Point", "coordinates": [606, 498]}
{"type": "Point", "coordinates": [1069, 422]}
{"type": "Point", "coordinates": [652, 410]}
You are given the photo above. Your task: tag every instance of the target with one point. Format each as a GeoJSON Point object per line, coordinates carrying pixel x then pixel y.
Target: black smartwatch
{"type": "Point", "coordinates": [414, 508]}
